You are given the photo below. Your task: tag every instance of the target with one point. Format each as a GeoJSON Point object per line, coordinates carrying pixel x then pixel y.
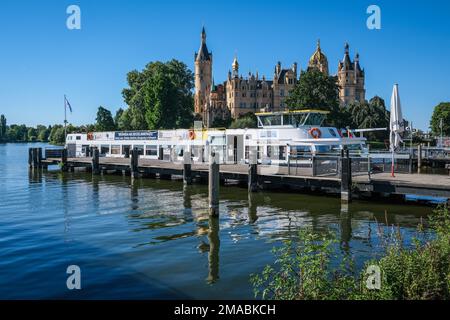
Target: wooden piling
{"type": "Point", "coordinates": [134, 163]}
{"type": "Point", "coordinates": [346, 177]}
{"type": "Point", "coordinates": [95, 161]}
{"type": "Point", "coordinates": [35, 158]}
{"type": "Point", "coordinates": [213, 185]}
{"type": "Point", "coordinates": [313, 163]}
{"type": "Point", "coordinates": [30, 157]}
{"type": "Point", "coordinates": [39, 157]}
{"type": "Point", "coordinates": [419, 158]}
{"type": "Point", "coordinates": [187, 168]}
{"type": "Point", "coordinates": [252, 177]}
{"type": "Point", "coordinates": [64, 160]}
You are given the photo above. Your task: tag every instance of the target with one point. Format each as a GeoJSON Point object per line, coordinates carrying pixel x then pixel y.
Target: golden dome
{"type": "Point", "coordinates": [235, 64]}
{"type": "Point", "coordinates": [318, 60]}
{"type": "Point", "coordinates": [318, 55]}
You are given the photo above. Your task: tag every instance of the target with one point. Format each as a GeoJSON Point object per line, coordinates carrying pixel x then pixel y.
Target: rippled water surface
{"type": "Point", "coordinates": [151, 239]}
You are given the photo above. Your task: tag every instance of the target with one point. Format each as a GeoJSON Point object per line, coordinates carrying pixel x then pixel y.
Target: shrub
{"type": "Point", "coordinates": [315, 268]}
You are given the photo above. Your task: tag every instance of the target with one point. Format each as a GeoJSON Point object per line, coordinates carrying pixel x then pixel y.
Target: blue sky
{"type": "Point", "coordinates": [41, 60]}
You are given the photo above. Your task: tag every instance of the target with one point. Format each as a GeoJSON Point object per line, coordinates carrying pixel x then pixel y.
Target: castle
{"type": "Point", "coordinates": [239, 95]}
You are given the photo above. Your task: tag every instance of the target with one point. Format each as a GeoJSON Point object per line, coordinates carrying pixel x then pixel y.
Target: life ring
{"type": "Point", "coordinates": [191, 135]}
{"type": "Point", "coordinates": [315, 133]}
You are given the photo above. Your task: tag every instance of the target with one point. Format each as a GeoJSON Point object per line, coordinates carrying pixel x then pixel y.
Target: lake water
{"type": "Point", "coordinates": [153, 239]}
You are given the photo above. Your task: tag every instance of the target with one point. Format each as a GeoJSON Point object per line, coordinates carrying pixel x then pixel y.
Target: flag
{"type": "Point", "coordinates": [67, 103]}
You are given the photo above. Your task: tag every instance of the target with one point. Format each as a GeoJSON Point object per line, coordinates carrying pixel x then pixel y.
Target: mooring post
{"type": "Point", "coordinates": [30, 157]}
{"type": "Point", "coordinates": [213, 185]}
{"type": "Point", "coordinates": [313, 162]}
{"type": "Point", "coordinates": [187, 168]}
{"type": "Point", "coordinates": [134, 163]}
{"type": "Point", "coordinates": [346, 176]}
{"type": "Point", "coordinates": [419, 157]}
{"type": "Point", "coordinates": [95, 161]}
{"type": "Point", "coordinates": [64, 160]}
{"type": "Point", "coordinates": [252, 172]}
{"type": "Point", "coordinates": [35, 158]}
{"type": "Point", "coordinates": [39, 157]}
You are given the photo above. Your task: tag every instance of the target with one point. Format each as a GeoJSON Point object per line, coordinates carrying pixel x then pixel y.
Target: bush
{"type": "Point", "coordinates": [308, 270]}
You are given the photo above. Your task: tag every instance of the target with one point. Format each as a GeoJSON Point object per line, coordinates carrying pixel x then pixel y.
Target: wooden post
{"type": "Point", "coordinates": [95, 161]}
{"type": "Point", "coordinates": [314, 170]}
{"type": "Point", "coordinates": [64, 160]}
{"type": "Point", "coordinates": [35, 158]}
{"type": "Point", "coordinates": [134, 163]}
{"type": "Point", "coordinates": [30, 157]}
{"type": "Point", "coordinates": [213, 185]}
{"type": "Point", "coordinates": [252, 177]}
{"type": "Point", "coordinates": [346, 177]}
{"type": "Point", "coordinates": [39, 157]}
{"type": "Point", "coordinates": [419, 158]}
{"type": "Point", "coordinates": [187, 170]}
{"type": "Point", "coordinates": [252, 171]}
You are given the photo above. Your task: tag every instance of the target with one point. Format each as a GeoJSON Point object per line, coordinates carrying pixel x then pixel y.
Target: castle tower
{"type": "Point", "coordinates": [203, 76]}
{"type": "Point", "coordinates": [318, 60]}
{"type": "Point", "coordinates": [351, 79]}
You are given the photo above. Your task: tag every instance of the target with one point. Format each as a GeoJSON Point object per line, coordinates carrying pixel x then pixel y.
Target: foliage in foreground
{"type": "Point", "coordinates": [315, 268]}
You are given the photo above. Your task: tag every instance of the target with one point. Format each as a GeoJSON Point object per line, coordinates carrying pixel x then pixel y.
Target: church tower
{"type": "Point", "coordinates": [350, 79]}
{"type": "Point", "coordinates": [318, 61]}
{"type": "Point", "coordinates": [203, 76]}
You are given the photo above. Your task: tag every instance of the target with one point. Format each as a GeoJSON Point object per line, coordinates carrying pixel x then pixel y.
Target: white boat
{"type": "Point", "coordinates": [279, 135]}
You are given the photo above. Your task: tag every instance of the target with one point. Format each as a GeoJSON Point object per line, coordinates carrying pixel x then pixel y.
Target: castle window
{"type": "Point", "coordinates": [243, 94]}
{"type": "Point", "coordinates": [347, 92]}
{"type": "Point", "coordinates": [282, 92]}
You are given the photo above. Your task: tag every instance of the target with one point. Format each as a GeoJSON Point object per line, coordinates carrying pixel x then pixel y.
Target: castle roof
{"type": "Point", "coordinates": [318, 56]}
{"type": "Point", "coordinates": [203, 53]}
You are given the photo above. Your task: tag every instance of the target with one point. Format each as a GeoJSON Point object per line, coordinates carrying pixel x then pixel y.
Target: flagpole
{"type": "Point", "coordinates": [65, 118]}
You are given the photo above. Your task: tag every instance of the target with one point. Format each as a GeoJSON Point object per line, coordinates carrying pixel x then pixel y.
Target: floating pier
{"type": "Point", "coordinates": [343, 180]}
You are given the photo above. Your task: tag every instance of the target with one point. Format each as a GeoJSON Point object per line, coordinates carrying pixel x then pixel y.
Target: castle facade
{"type": "Point", "coordinates": [240, 95]}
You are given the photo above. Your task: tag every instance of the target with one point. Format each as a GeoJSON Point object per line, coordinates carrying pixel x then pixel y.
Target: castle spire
{"type": "Point", "coordinates": [203, 53]}
{"type": "Point", "coordinates": [235, 66]}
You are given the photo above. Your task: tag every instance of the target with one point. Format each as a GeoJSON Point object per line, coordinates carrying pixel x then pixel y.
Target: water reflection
{"type": "Point", "coordinates": [171, 219]}
{"type": "Point", "coordinates": [252, 208]}
{"type": "Point", "coordinates": [345, 226]}
{"type": "Point", "coordinates": [214, 245]}
{"type": "Point", "coordinates": [134, 190]}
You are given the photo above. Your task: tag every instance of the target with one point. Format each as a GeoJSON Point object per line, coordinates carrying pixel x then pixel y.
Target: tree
{"type": "Point", "coordinates": [32, 134]}
{"type": "Point", "coordinates": [245, 121]}
{"type": "Point", "coordinates": [105, 121]}
{"type": "Point", "coordinates": [315, 90]}
{"type": "Point", "coordinates": [57, 135]}
{"type": "Point", "coordinates": [373, 114]}
{"type": "Point", "coordinates": [441, 111]}
{"type": "Point", "coordinates": [3, 127]}
{"type": "Point", "coordinates": [117, 117]}
{"type": "Point", "coordinates": [159, 97]}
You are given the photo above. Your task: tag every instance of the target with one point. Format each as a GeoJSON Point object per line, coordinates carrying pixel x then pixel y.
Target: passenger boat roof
{"type": "Point", "coordinates": [292, 112]}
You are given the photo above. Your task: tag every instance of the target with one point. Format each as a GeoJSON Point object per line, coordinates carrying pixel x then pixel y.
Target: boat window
{"type": "Point", "coordinates": [271, 120]}
{"type": "Point", "coordinates": [78, 137]}
{"type": "Point", "coordinates": [140, 149]}
{"type": "Point", "coordinates": [327, 148]}
{"type": "Point", "coordinates": [217, 140]}
{"type": "Point", "coordinates": [300, 149]}
{"type": "Point", "coordinates": [314, 119]}
{"type": "Point", "coordinates": [151, 150]}
{"type": "Point", "coordinates": [354, 147]}
{"type": "Point", "coordinates": [115, 149]}
{"type": "Point", "coordinates": [104, 149]}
